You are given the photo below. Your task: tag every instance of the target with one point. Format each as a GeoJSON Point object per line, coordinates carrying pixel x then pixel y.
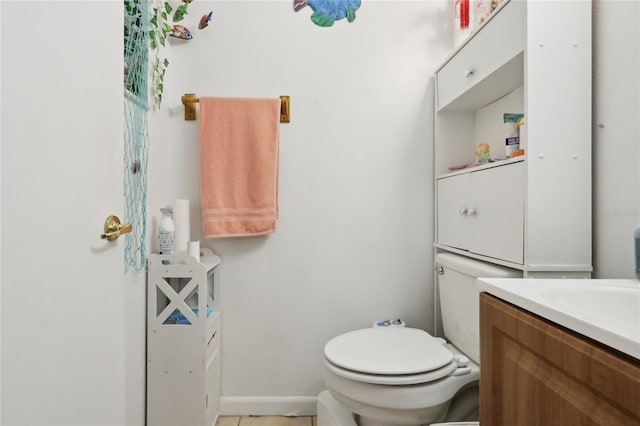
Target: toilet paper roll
{"type": "Point", "coordinates": [193, 249]}
{"type": "Point", "coordinates": [182, 234]}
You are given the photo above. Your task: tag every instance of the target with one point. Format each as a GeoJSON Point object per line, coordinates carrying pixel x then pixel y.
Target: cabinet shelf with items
{"type": "Point", "coordinates": [183, 339]}
{"type": "Point", "coordinates": [530, 58]}
{"type": "Point", "coordinates": [488, 65]}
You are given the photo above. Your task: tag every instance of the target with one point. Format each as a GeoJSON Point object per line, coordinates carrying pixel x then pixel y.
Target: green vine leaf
{"type": "Point", "coordinates": [158, 28]}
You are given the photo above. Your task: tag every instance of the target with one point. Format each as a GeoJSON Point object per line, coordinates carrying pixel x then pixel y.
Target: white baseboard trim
{"type": "Point", "coordinates": [268, 405]}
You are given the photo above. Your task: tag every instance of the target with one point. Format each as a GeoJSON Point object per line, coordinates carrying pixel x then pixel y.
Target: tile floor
{"type": "Point", "coordinates": [266, 421]}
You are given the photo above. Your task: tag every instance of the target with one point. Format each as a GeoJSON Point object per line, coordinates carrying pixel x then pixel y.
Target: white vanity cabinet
{"type": "Point", "coordinates": [531, 212]}
{"type": "Point", "coordinates": [473, 215]}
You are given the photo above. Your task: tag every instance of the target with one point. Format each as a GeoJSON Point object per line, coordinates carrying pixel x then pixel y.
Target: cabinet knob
{"type": "Point", "coordinates": [462, 211]}
{"type": "Point", "coordinates": [468, 73]}
{"type": "Point", "coordinates": [471, 212]}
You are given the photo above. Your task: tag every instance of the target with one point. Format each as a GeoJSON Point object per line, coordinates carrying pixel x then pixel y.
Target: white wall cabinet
{"type": "Point", "coordinates": [484, 54]}
{"type": "Point", "coordinates": [474, 216]}
{"type": "Point", "coordinates": [531, 213]}
{"type": "Point", "coordinates": [183, 340]}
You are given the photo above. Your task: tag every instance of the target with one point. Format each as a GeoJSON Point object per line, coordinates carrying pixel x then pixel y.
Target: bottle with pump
{"type": "Point", "coordinates": [166, 232]}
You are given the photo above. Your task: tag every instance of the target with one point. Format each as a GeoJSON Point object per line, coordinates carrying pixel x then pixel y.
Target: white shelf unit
{"type": "Point", "coordinates": [183, 340]}
{"type": "Point", "coordinates": [531, 213]}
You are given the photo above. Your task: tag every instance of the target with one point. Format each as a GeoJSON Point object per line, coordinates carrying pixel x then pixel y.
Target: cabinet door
{"type": "Point", "coordinates": [475, 62]}
{"type": "Point", "coordinates": [453, 223]}
{"type": "Point", "coordinates": [537, 373]}
{"type": "Point", "coordinates": [496, 207]}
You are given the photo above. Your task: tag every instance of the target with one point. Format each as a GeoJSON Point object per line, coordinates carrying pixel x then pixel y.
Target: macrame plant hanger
{"type": "Point", "coordinates": [136, 135]}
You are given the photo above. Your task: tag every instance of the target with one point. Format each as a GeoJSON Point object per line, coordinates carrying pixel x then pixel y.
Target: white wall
{"type": "Point", "coordinates": [354, 238]}
{"type": "Point", "coordinates": [353, 146]}
{"type": "Point", "coordinates": [355, 231]}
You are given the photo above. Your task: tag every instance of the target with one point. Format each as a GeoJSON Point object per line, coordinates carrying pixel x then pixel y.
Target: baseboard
{"type": "Point", "coordinates": [268, 405]}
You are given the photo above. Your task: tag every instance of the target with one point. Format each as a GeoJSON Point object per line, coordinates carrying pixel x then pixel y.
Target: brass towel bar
{"type": "Point", "coordinates": [189, 100]}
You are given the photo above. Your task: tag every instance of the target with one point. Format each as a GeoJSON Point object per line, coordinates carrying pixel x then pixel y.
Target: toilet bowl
{"type": "Point", "coordinates": [404, 376]}
{"type": "Point", "coordinates": [396, 376]}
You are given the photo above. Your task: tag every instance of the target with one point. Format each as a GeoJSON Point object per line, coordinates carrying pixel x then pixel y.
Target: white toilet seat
{"type": "Point", "coordinates": [398, 356]}
{"type": "Point", "coordinates": [384, 399]}
{"type": "Point", "coordinates": [392, 380]}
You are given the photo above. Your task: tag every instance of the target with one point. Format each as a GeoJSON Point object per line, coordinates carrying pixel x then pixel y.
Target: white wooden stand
{"type": "Point", "coordinates": [533, 212]}
{"type": "Point", "coordinates": [183, 340]}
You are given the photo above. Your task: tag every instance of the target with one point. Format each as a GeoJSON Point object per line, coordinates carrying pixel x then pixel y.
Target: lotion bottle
{"type": "Point", "coordinates": [166, 232]}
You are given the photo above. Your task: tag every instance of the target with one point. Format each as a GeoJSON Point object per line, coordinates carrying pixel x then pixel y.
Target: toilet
{"type": "Point", "coordinates": [404, 376]}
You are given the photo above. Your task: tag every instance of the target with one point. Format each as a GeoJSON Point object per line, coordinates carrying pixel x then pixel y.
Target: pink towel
{"type": "Point", "coordinates": [239, 166]}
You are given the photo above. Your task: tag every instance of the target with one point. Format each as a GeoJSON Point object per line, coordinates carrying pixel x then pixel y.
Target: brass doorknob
{"type": "Point", "coordinates": [113, 228]}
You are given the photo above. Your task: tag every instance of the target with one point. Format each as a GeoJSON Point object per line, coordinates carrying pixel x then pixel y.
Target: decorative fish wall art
{"type": "Point", "coordinates": [204, 21]}
{"type": "Point", "coordinates": [181, 32]}
{"type": "Point", "coordinates": [327, 12]}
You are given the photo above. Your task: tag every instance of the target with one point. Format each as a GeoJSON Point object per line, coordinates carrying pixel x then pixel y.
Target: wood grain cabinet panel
{"type": "Point", "coordinates": [534, 372]}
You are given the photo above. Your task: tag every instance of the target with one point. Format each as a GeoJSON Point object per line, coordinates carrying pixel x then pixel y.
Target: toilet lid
{"type": "Point", "coordinates": [387, 351]}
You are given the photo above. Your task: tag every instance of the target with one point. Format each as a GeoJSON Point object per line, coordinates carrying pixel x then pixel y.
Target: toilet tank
{"type": "Point", "coordinates": [460, 300]}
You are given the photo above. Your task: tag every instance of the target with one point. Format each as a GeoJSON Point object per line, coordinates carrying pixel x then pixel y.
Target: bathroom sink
{"type": "Point", "coordinates": [612, 305]}
{"type": "Point", "coordinates": [606, 310]}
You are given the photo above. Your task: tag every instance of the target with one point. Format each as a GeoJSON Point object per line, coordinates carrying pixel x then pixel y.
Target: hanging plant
{"type": "Point", "coordinates": [135, 48]}
{"type": "Point", "coordinates": [158, 31]}
{"type": "Point", "coordinates": [157, 26]}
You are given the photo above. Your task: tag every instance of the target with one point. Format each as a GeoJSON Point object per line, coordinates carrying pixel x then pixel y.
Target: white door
{"type": "Point", "coordinates": [63, 330]}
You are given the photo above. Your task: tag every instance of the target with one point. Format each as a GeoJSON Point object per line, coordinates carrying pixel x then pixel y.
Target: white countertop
{"type": "Point", "coordinates": [605, 310]}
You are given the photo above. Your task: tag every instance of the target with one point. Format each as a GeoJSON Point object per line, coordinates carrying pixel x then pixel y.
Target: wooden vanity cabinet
{"type": "Point", "coordinates": [535, 372]}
